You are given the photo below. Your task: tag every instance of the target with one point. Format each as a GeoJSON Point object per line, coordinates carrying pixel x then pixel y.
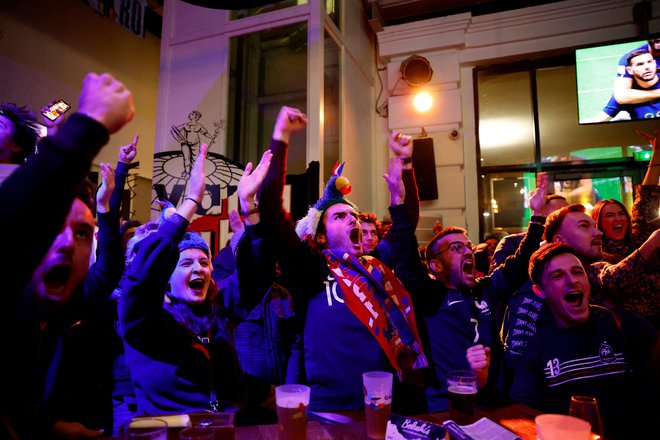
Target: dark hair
{"type": "Point", "coordinates": [636, 53]}
{"type": "Point", "coordinates": [444, 232]}
{"type": "Point", "coordinates": [25, 132]}
{"type": "Point", "coordinates": [128, 225]}
{"type": "Point", "coordinates": [595, 214]}
{"type": "Point", "coordinates": [554, 220]}
{"type": "Point", "coordinates": [370, 217]}
{"type": "Point", "coordinates": [540, 259]}
{"type": "Point", "coordinates": [86, 193]}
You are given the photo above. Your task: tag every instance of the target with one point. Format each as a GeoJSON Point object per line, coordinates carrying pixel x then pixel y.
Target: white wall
{"type": "Point", "coordinates": [47, 47]}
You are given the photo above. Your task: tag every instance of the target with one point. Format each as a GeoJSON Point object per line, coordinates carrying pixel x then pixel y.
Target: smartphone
{"type": "Point", "coordinates": [56, 110]}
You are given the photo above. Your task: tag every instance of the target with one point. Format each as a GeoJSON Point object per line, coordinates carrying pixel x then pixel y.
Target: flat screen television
{"type": "Point", "coordinates": [596, 69]}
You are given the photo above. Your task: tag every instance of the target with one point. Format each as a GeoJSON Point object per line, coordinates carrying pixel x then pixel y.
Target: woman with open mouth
{"type": "Point", "coordinates": [622, 233]}
{"type": "Point", "coordinates": [178, 345]}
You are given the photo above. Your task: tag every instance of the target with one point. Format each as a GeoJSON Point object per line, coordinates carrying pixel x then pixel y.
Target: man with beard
{"type": "Point", "coordinates": [457, 310]}
{"type": "Point", "coordinates": [357, 316]}
{"type": "Point", "coordinates": [624, 282]}
{"type": "Point", "coordinates": [625, 91]}
{"type": "Point", "coordinates": [642, 67]}
{"type": "Point", "coordinates": [587, 350]}
{"type": "Point", "coordinates": [41, 272]}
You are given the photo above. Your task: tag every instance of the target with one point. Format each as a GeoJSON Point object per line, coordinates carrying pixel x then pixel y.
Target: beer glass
{"type": "Point", "coordinates": [377, 402]}
{"type": "Point", "coordinates": [586, 408]}
{"type": "Point", "coordinates": [292, 405]}
{"type": "Point", "coordinates": [462, 388]}
{"type": "Point", "coordinates": [144, 429]}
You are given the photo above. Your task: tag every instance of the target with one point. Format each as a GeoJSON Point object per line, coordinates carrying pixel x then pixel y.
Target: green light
{"type": "Point", "coordinates": [643, 156]}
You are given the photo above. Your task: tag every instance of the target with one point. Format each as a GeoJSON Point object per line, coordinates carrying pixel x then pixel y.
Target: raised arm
{"type": "Point", "coordinates": [514, 269]}
{"type": "Point", "coordinates": [402, 147]}
{"type": "Point", "coordinates": [645, 218]}
{"type": "Point", "coordinates": [625, 94]}
{"type": "Point", "coordinates": [255, 259]}
{"type": "Point", "coordinates": [106, 272]}
{"type": "Point", "coordinates": [47, 182]}
{"type": "Point", "coordinates": [289, 120]}
{"type": "Point", "coordinates": [140, 305]}
{"type": "Point", "coordinates": [653, 171]}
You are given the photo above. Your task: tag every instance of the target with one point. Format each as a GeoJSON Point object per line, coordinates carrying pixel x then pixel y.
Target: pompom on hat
{"type": "Point", "coordinates": [335, 190]}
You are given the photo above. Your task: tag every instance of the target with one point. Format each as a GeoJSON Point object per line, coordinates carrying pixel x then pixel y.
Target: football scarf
{"type": "Point", "coordinates": [378, 299]}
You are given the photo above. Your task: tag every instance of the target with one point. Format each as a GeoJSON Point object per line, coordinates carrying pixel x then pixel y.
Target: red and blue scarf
{"type": "Point", "coordinates": [378, 299]}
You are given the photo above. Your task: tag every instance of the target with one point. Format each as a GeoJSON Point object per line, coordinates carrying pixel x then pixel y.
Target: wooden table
{"type": "Point", "coordinates": [516, 418]}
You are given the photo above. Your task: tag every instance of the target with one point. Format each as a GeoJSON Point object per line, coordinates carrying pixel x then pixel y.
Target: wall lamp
{"type": "Point", "coordinates": [416, 71]}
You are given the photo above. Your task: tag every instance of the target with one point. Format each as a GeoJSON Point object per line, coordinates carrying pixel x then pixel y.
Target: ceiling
{"type": "Point", "coordinates": [383, 12]}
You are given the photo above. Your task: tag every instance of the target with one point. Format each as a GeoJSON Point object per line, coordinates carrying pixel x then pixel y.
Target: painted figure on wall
{"type": "Point", "coordinates": [189, 136]}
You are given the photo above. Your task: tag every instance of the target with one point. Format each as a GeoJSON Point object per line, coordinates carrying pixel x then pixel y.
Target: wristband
{"type": "Point", "coordinates": [537, 219]}
{"type": "Point", "coordinates": [407, 160]}
{"type": "Point", "coordinates": [194, 201]}
{"type": "Point", "coordinates": [254, 210]}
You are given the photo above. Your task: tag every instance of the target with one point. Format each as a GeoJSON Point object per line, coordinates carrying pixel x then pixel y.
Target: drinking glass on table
{"type": "Point", "coordinates": [292, 405]}
{"type": "Point", "coordinates": [377, 402]}
{"type": "Point", "coordinates": [462, 388]}
{"type": "Point", "coordinates": [561, 427]}
{"type": "Point", "coordinates": [586, 408]}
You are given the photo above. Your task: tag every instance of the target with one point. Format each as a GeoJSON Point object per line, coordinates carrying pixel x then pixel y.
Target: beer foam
{"type": "Point", "coordinates": [291, 402]}
{"type": "Point", "coordinates": [462, 389]}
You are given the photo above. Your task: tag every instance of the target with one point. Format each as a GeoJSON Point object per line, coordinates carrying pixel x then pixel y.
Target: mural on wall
{"type": "Point", "coordinates": [172, 169]}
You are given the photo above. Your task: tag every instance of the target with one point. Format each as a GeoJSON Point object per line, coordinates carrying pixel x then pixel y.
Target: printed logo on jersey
{"type": "Point", "coordinates": [331, 291]}
{"type": "Point", "coordinates": [482, 306]}
{"type": "Point", "coordinates": [560, 372]}
{"type": "Point", "coordinates": [606, 353]}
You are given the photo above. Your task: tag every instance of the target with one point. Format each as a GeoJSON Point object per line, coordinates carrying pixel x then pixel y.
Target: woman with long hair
{"type": "Point", "coordinates": [623, 233]}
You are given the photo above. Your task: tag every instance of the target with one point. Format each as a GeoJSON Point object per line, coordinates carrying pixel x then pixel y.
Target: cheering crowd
{"type": "Point", "coordinates": [159, 325]}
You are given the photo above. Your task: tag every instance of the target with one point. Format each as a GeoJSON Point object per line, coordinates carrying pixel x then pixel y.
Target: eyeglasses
{"type": "Point", "coordinates": [456, 246]}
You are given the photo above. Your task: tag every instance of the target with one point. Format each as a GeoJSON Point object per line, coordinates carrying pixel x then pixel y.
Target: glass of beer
{"type": "Point", "coordinates": [292, 404]}
{"type": "Point", "coordinates": [377, 402]}
{"type": "Point", "coordinates": [462, 388]}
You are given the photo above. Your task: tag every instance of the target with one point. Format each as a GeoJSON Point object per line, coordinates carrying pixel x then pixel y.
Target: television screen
{"type": "Point", "coordinates": [618, 82]}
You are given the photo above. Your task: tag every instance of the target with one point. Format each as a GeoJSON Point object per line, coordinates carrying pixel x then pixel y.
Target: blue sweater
{"type": "Point", "coordinates": [338, 347]}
